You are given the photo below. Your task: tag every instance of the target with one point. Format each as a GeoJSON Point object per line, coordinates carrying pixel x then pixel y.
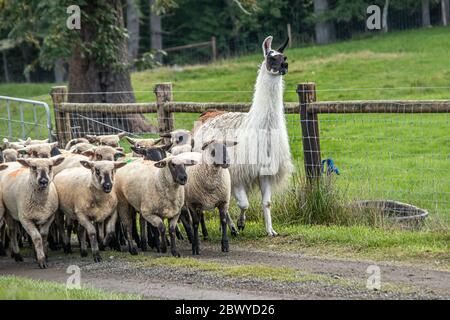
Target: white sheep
{"type": "Point", "coordinates": [10, 155]}
{"type": "Point", "coordinates": [43, 150]}
{"type": "Point", "coordinates": [180, 141]}
{"type": "Point", "coordinates": [155, 189]}
{"type": "Point", "coordinates": [209, 187]}
{"type": "Point", "coordinates": [74, 142]}
{"type": "Point", "coordinates": [94, 201]}
{"type": "Point", "coordinates": [30, 197]}
{"type": "Point", "coordinates": [111, 140]}
{"type": "Point", "coordinates": [2, 221]}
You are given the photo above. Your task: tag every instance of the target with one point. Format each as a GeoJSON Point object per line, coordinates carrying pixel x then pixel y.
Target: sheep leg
{"type": "Point", "coordinates": [68, 237]}
{"type": "Point", "coordinates": [82, 238]}
{"type": "Point", "coordinates": [143, 227]}
{"type": "Point", "coordinates": [158, 223]}
{"type": "Point", "coordinates": [44, 231]}
{"type": "Point", "coordinates": [195, 214]}
{"type": "Point", "coordinates": [134, 230]}
{"type": "Point", "coordinates": [2, 241]}
{"type": "Point", "coordinates": [178, 233]}
{"type": "Point", "coordinates": [36, 237]}
{"type": "Point", "coordinates": [59, 220]}
{"type": "Point", "coordinates": [203, 226]}
{"type": "Point", "coordinates": [92, 234]}
{"type": "Point", "coordinates": [172, 231]}
{"type": "Point", "coordinates": [13, 228]}
{"type": "Point", "coordinates": [110, 229]}
{"type": "Point", "coordinates": [151, 240]}
{"type": "Point", "coordinates": [186, 221]}
{"type": "Point", "coordinates": [230, 223]}
{"type": "Point", "coordinates": [223, 222]}
{"type": "Point", "coordinates": [266, 193]}
{"type": "Point", "coordinates": [126, 218]}
{"type": "Point", "coordinates": [242, 199]}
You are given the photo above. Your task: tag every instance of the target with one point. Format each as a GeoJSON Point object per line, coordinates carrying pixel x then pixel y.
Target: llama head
{"type": "Point", "coordinates": [275, 60]}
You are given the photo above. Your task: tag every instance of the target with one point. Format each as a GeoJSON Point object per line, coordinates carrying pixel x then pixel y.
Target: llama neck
{"type": "Point", "coordinates": [267, 108]}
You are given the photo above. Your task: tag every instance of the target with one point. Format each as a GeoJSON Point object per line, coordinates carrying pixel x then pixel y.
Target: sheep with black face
{"type": "Point", "coordinates": [94, 202]}
{"type": "Point", "coordinates": [30, 198]}
{"type": "Point", "coordinates": [156, 190]}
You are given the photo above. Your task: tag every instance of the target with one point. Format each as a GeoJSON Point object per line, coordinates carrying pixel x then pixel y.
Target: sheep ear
{"type": "Point", "coordinates": [53, 144]}
{"type": "Point", "coordinates": [23, 162]}
{"type": "Point", "coordinates": [140, 151]}
{"type": "Point", "coordinates": [167, 147]}
{"type": "Point", "coordinates": [161, 164]}
{"type": "Point", "coordinates": [165, 135]}
{"type": "Point", "coordinates": [91, 138]}
{"type": "Point", "coordinates": [207, 143]}
{"type": "Point", "coordinates": [117, 155]}
{"type": "Point", "coordinates": [89, 153]}
{"type": "Point", "coordinates": [230, 143]}
{"type": "Point", "coordinates": [122, 134]}
{"type": "Point", "coordinates": [120, 149]}
{"type": "Point", "coordinates": [87, 164]}
{"type": "Point", "coordinates": [23, 151]}
{"type": "Point", "coordinates": [58, 160]}
{"type": "Point", "coordinates": [118, 165]}
{"type": "Point", "coordinates": [3, 166]}
{"type": "Point", "coordinates": [130, 140]}
{"type": "Point", "coordinates": [267, 45]}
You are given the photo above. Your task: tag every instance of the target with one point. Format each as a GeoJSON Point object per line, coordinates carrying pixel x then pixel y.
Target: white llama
{"type": "Point", "coordinates": [262, 156]}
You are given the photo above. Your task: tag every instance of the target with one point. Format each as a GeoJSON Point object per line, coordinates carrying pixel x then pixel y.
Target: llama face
{"type": "Point", "coordinates": [275, 60]}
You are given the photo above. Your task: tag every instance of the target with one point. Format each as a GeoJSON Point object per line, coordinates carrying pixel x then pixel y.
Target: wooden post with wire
{"type": "Point", "coordinates": [289, 34]}
{"type": "Point", "coordinates": [163, 92]}
{"type": "Point", "coordinates": [62, 119]}
{"type": "Point", "coordinates": [310, 131]}
{"type": "Point", "coordinates": [213, 48]}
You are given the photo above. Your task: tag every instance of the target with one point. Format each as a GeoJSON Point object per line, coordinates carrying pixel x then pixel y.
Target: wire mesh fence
{"type": "Point", "coordinates": [22, 118]}
{"type": "Point", "coordinates": [384, 150]}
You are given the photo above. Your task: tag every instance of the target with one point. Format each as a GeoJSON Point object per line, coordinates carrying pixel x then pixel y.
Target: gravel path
{"type": "Point", "coordinates": [329, 278]}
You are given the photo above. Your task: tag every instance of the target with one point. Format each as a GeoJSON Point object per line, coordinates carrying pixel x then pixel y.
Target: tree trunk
{"type": "Point", "coordinates": [60, 71]}
{"type": "Point", "coordinates": [5, 66]}
{"type": "Point", "coordinates": [385, 16]}
{"type": "Point", "coordinates": [155, 32]}
{"type": "Point", "coordinates": [86, 75]}
{"type": "Point", "coordinates": [133, 30]}
{"type": "Point", "coordinates": [426, 22]}
{"type": "Point", "coordinates": [445, 12]}
{"type": "Point", "coordinates": [325, 31]}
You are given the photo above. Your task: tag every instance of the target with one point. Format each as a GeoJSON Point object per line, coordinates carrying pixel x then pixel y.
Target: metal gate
{"type": "Point", "coordinates": [23, 118]}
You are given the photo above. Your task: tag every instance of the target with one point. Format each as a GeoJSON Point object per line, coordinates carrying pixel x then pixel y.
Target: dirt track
{"type": "Point", "coordinates": [324, 278]}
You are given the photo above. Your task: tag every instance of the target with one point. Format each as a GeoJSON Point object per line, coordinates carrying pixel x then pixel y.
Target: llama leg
{"type": "Point", "coordinates": [266, 193]}
{"type": "Point", "coordinates": [242, 199]}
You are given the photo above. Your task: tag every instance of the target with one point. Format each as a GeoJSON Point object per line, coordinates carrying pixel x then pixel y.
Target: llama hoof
{"type": "Point", "coordinates": [83, 253]}
{"type": "Point", "coordinates": [97, 257]}
{"type": "Point", "coordinates": [241, 224]}
{"type": "Point", "coordinates": [42, 264]}
{"type": "Point", "coordinates": [195, 250]}
{"type": "Point", "coordinates": [175, 253]}
{"type": "Point", "coordinates": [234, 232]}
{"type": "Point", "coordinates": [225, 246]}
{"type": "Point", "coordinates": [272, 233]}
{"type": "Point", "coordinates": [67, 248]}
{"type": "Point", "coordinates": [133, 251]}
{"type": "Point", "coordinates": [17, 257]}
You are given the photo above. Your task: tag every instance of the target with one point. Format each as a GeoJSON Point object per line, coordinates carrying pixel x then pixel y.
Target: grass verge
{"type": "Point", "coordinates": [20, 288]}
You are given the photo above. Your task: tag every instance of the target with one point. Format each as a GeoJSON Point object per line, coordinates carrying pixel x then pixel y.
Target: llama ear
{"type": "Point", "coordinates": [267, 45]}
{"type": "Point", "coordinates": [283, 46]}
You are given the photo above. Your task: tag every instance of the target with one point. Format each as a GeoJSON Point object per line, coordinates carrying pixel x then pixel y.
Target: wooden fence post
{"type": "Point", "coordinates": [214, 48]}
{"type": "Point", "coordinates": [164, 94]}
{"type": "Point", "coordinates": [62, 119]}
{"type": "Point", "coordinates": [310, 131]}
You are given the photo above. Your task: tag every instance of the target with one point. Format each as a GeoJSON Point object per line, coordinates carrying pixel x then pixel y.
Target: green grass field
{"type": "Point", "coordinates": [20, 288]}
{"type": "Point", "coordinates": [400, 157]}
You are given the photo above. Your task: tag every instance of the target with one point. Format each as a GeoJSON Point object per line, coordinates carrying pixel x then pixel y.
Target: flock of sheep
{"type": "Point", "coordinates": [94, 185]}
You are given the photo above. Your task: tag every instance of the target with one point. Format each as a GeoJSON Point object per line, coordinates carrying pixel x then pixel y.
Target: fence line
{"type": "Point", "coordinates": [401, 151]}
